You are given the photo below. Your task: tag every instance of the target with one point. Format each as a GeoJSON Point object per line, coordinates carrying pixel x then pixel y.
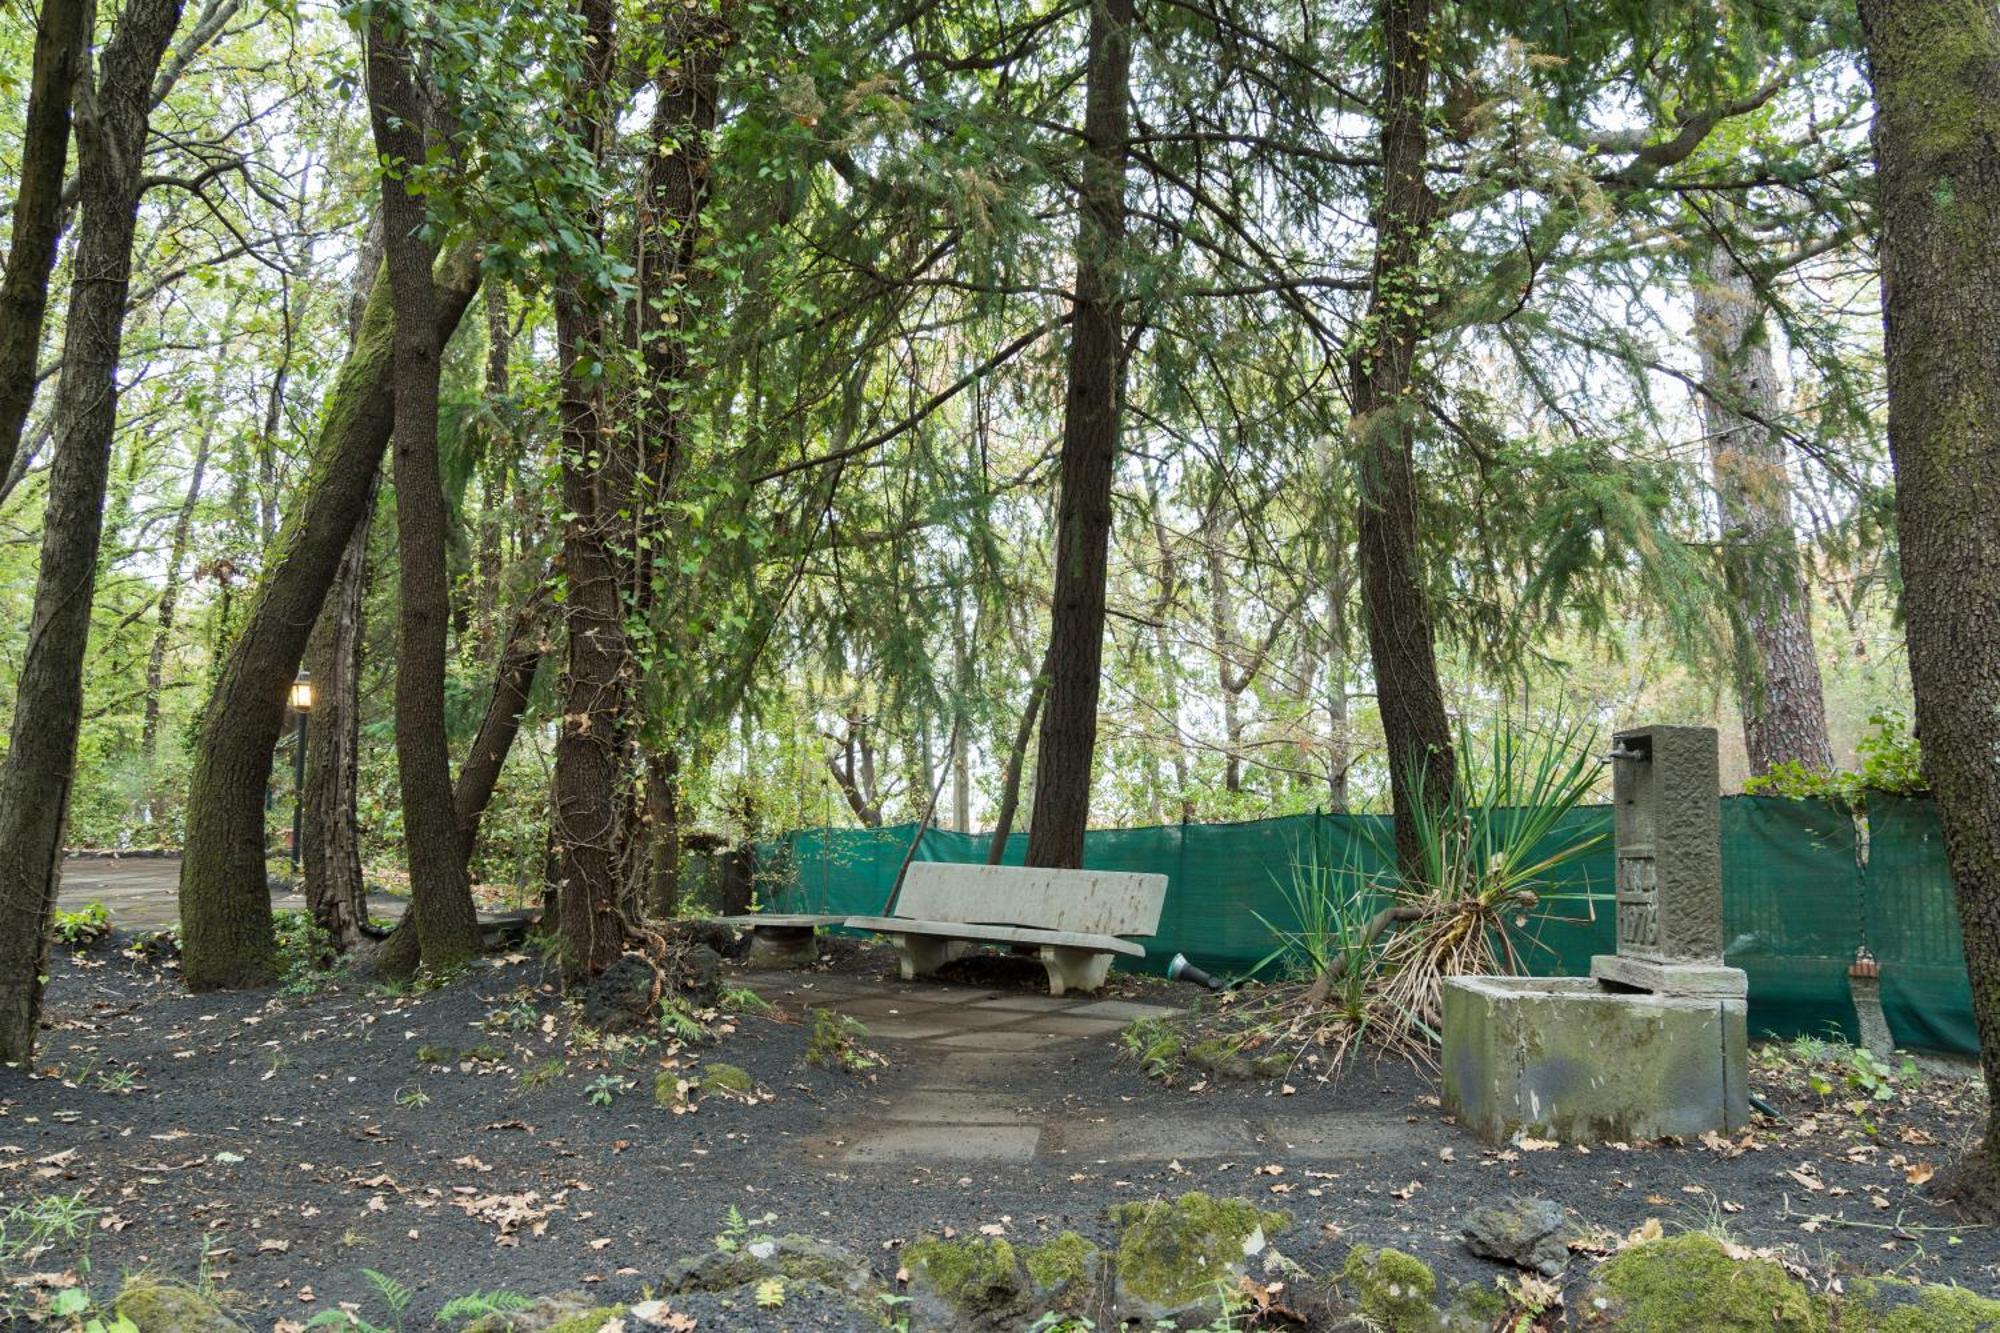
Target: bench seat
{"type": "Point", "coordinates": [781, 939]}
{"type": "Point", "coordinates": [1070, 919]}
{"type": "Point", "coordinates": [993, 934]}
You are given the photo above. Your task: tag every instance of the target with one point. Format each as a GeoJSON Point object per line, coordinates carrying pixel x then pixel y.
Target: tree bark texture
{"type": "Point", "coordinates": [1402, 637]}
{"type": "Point", "coordinates": [1935, 67]}
{"type": "Point", "coordinates": [1777, 672]}
{"type": "Point", "coordinates": [170, 597]}
{"type": "Point", "coordinates": [674, 195]}
{"type": "Point", "coordinates": [513, 678]}
{"type": "Point", "coordinates": [1089, 453]}
{"type": "Point", "coordinates": [36, 775]}
{"type": "Point", "coordinates": [593, 761]}
{"type": "Point", "coordinates": [226, 936]}
{"type": "Point", "coordinates": [1017, 758]}
{"type": "Point", "coordinates": [335, 891]}
{"type": "Point", "coordinates": [61, 60]}
{"type": "Point", "coordinates": [440, 893]}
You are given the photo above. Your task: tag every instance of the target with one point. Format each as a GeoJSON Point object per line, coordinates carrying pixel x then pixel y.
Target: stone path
{"type": "Point", "coordinates": [143, 892]}
{"type": "Point", "coordinates": [1007, 1077]}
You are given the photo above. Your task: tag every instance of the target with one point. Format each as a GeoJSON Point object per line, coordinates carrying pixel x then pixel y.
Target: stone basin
{"type": "Point", "coordinates": [1578, 1061]}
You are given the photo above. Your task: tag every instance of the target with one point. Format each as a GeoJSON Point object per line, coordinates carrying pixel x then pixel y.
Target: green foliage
{"type": "Point", "coordinates": [1155, 1043]}
{"type": "Point", "coordinates": [306, 955]}
{"type": "Point", "coordinates": [1333, 907]}
{"type": "Point", "coordinates": [739, 1231]}
{"type": "Point", "coordinates": [743, 1000]}
{"type": "Point", "coordinates": [477, 1304]}
{"type": "Point", "coordinates": [601, 1090]}
{"type": "Point", "coordinates": [394, 1296]}
{"type": "Point", "coordinates": [679, 1020]}
{"type": "Point", "coordinates": [85, 925]}
{"type": "Point", "coordinates": [1891, 764]}
{"type": "Point", "coordinates": [834, 1038]}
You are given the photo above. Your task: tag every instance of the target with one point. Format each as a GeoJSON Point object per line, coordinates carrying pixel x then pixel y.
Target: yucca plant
{"type": "Point", "coordinates": [1334, 904]}
{"type": "Point", "coordinates": [1484, 882]}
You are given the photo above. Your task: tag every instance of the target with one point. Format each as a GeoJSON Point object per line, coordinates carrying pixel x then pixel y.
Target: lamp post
{"type": "Point", "coordinates": [301, 699]}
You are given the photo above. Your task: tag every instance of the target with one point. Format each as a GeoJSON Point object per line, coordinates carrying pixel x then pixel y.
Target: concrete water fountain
{"type": "Point", "coordinates": [1654, 1041]}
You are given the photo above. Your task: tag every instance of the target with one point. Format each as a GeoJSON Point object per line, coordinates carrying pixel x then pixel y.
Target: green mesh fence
{"type": "Point", "coordinates": [1797, 900]}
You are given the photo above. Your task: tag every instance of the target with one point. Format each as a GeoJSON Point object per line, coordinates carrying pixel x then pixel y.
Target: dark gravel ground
{"type": "Point", "coordinates": [283, 1144]}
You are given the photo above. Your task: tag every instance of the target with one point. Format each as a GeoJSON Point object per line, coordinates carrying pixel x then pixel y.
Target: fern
{"type": "Point", "coordinates": [477, 1304]}
{"type": "Point", "coordinates": [393, 1293]}
{"type": "Point", "coordinates": [770, 1294]}
{"type": "Point", "coordinates": [743, 1000]}
{"type": "Point", "coordinates": [677, 1020]}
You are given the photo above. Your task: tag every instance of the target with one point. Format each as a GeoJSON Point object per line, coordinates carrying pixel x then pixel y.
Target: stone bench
{"type": "Point", "coordinates": [781, 939]}
{"type": "Point", "coordinates": [1071, 920]}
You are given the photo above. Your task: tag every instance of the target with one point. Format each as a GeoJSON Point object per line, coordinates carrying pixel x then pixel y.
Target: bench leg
{"type": "Point", "coordinates": [1074, 969]}
{"type": "Point", "coordinates": [782, 946]}
{"type": "Point", "coordinates": [920, 955]}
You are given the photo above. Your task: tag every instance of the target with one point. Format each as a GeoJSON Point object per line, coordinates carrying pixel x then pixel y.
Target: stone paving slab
{"type": "Point", "coordinates": [1035, 1004]}
{"type": "Point", "coordinates": [999, 1041]}
{"type": "Point", "coordinates": [1065, 1025]}
{"type": "Point", "coordinates": [887, 1006]}
{"type": "Point", "coordinates": [952, 1106]}
{"type": "Point", "coordinates": [909, 1029]}
{"type": "Point", "coordinates": [935, 1143]}
{"type": "Point", "coordinates": [1122, 1009]}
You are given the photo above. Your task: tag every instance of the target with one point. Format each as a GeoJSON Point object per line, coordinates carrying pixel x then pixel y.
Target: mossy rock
{"type": "Point", "coordinates": [1684, 1282]}
{"type": "Point", "coordinates": [153, 1305]}
{"type": "Point", "coordinates": [1396, 1292]}
{"type": "Point", "coordinates": [721, 1080]}
{"type": "Point", "coordinates": [1875, 1305]}
{"type": "Point", "coordinates": [809, 1264]}
{"type": "Point", "coordinates": [979, 1282]}
{"type": "Point", "coordinates": [587, 1321]}
{"type": "Point", "coordinates": [1060, 1261]}
{"type": "Point", "coordinates": [1171, 1254]}
{"type": "Point", "coordinates": [667, 1091]}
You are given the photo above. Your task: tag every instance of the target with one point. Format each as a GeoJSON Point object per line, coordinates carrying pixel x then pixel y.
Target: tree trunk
{"type": "Point", "coordinates": [39, 767]}
{"type": "Point", "coordinates": [1394, 601]}
{"type": "Point", "coordinates": [513, 679]}
{"type": "Point", "coordinates": [1089, 454]}
{"type": "Point", "coordinates": [62, 57]}
{"type": "Point", "coordinates": [675, 194]}
{"type": "Point", "coordinates": [593, 768]}
{"type": "Point", "coordinates": [1010, 783]}
{"type": "Point", "coordinates": [335, 890]}
{"type": "Point", "coordinates": [663, 801]}
{"type": "Point", "coordinates": [1777, 672]}
{"type": "Point", "coordinates": [1935, 67]}
{"type": "Point", "coordinates": [170, 596]}
{"type": "Point", "coordinates": [440, 893]}
{"type": "Point", "coordinates": [225, 905]}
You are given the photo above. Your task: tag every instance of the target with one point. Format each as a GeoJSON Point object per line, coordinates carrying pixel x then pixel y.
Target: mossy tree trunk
{"type": "Point", "coordinates": [440, 892]}
{"type": "Point", "coordinates": [513, 678]}
{"type": "Point", "coordinates": [1935, 67]}
{"type": "Point", "coordinates": [593, 774]}
{"type": "Point", "coordinates": [225, 904]}
{"type": "Point", "coordinates": [335, 890]}
{"type": "Point", "coordinates": [62, 57]}
{"type": "Point", "coordinates": [1089, 457]}
{"type": "Point", "coordinates": [40, 764]}
{"type": "Point", "coordinates": [1402, 635]}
